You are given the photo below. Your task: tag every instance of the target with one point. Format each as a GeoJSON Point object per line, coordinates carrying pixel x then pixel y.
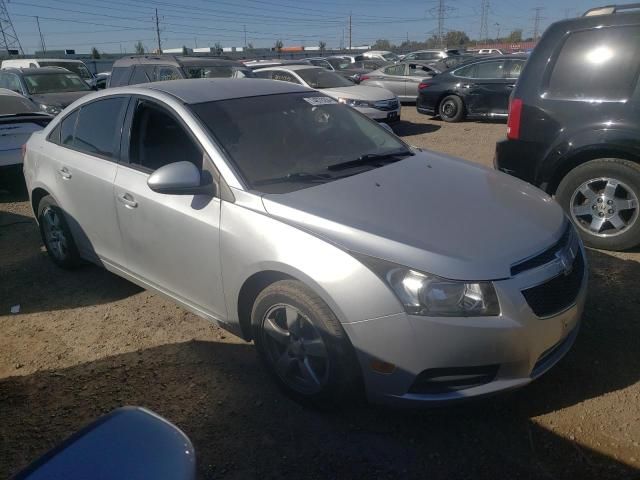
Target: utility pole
{"type": "Point", "coordinates": [245, 36]}
{"type": "Point", "coordinates": [536, 23]}
{"type": "Point", "coordinates": [158, 32]}
{"type": "Point", "coordinates": [498, 34]}
{"type": "Point", "coordinates": [484, 20]}
{"type": "Point", "coordinates": [441, 14]}
{"type": "Point", "coordinates": [349, 31]}
{"type": "Point", "coordinates": [44, 48]}
{"type": "Point", "coordinates": [8, 37]}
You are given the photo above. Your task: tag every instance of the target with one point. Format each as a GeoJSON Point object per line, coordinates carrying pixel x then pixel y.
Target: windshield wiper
{"type": "Point", "coordinates": [296, 177]}
{"type": "Point", "coordinates": [370, 158]}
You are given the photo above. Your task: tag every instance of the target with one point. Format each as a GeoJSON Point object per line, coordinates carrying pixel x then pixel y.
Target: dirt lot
{"type": "Point", "coordinates": [86, 342]}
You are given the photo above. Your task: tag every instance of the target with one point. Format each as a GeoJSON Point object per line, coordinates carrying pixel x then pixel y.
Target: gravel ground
{"type": "Point", "coordinates": [86, 342]}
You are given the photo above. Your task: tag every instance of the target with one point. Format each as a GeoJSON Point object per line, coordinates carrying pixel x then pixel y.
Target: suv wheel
{"type": "Point", "coordinates": [303, 344]}
{"type": "Point", "coordinates": [56, 234]}
{"type": "Point", "coordinates": [601, 196]}
{"type": "Point", "coordinates": [451, 109]}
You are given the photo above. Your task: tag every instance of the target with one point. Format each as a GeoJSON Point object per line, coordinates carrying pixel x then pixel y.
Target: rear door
{"type": "Point", "coordinates": [171, 242]}
{"type": "Point", "coordinates": [83, 151]}
{"type": "Point", "coordinates": [485, 89]}
{"type": "Point", "coordinates": [394, 79]}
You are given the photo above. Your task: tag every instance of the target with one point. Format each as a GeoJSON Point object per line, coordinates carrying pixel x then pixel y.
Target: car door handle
{"type": "Point", "coordinates": [65, 173]}
{"type": "Point", "coordinates": [127, 200]}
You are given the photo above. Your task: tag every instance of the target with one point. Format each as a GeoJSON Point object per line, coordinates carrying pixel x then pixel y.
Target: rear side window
{"type": "Point", "coordinates": [139, 76]}
{"type": "Point", "coordinates": [598, 64]}
{"type": "Point", "coordinates": [394, 70]}
{"type": "Point", "coordinates": [98, 128]}
{"type": "Point", "coordinates": [119, 76]}
{"type": "Point", "coordinates": [166, 73]}
{"type": "Point", "coordinates": [67, 127]}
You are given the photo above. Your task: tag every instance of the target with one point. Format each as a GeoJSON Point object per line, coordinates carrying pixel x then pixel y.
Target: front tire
{"type": "Point", "coordinates": [451, 109]}
{"type": "Point", "coordinates": [601, 197]}
{"type": "Point", "coordinates": [56, 234]}
{"type": "Point", "coordinates": [303, 345]}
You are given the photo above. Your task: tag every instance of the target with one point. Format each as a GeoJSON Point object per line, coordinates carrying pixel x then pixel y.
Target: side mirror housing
{"type": "Point", "coordinates": [180, 178]}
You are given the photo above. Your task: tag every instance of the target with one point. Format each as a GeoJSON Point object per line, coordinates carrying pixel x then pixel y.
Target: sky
{"type": "Point", "coordinates": [116, 25]}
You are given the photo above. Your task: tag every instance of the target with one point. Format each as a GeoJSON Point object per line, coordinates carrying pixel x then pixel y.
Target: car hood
{"type": "Point", "coordinates": [359, 92]}
{"type": "Point", "coordinates": [430, 212]}
{"type": "Point", "coordinates": [62, 99]}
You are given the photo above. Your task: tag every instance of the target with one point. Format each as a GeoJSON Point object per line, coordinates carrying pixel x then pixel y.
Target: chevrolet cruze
{"type": "Point", "coordinates": [350, 258]}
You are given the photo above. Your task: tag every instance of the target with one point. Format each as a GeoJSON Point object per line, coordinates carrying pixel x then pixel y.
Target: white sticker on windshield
{"type": "Point", "coordinates": [320, 100]}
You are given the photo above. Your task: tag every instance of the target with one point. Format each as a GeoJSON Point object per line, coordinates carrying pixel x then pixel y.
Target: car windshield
{"type": "Point", "coordinates": [217, 71]}
{"type": "Point", "coordinates": [282, 143]}
{"type": "Point", "coordinates": [10, 105]}
{"type": "Point", "coordinates": [322, 78]}
{"type": "Point", "coordinates": [76, 67]}
{"type": "Point", "coordinates": [54, 82]}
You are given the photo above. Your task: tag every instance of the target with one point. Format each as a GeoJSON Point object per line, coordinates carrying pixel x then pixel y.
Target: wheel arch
{"type": "Point", "coordinates": [37, 194]}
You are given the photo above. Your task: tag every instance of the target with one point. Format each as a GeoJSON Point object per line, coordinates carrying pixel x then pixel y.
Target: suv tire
{"type": "Point", "coordinates": [303, 345]}
{"type": "Point", "coordinates": [451, 109]}
{"type": "Point", "coordinates": [603, 194]}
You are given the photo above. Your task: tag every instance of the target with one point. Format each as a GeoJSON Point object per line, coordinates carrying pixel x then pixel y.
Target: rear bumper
{"type": "Point", "coordinates": [518, 158]}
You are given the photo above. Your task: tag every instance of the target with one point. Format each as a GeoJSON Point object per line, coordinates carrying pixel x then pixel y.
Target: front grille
{"type": "Point", "coordinates": [386, 105]}
{"type": "Point", "coordinates": [557, 294]}
{"type": "Point", "coordinates": [545, 257]}
{"type": "Point", "coordinates": [453, 379]}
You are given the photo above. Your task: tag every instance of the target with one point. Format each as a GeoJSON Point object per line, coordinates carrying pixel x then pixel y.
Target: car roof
{"type": "Point", "coordinates": [293, 68]}
{"type": "Point", "coordinates": [175, 60]}
{"type": "Point", "coordinates": [200, 90]}
{"type": "Point", "coordinates": [71, 60]}
{"type": "Point", "coordinates": [37, 70]}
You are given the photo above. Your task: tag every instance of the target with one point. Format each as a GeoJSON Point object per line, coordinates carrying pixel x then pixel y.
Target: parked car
{"type": "Point", "coordinates": [19, 118]}
{"type": "Point", "coordinates": [51, 89]}
{"type": "Point", "coordinates": [263, 63]}
{"type": "Point", "coordinates": [296, 222]}
{"type": "Point", "coordinates": [401, 78]}
{"type": "Point", "coordinates": [76, 66]}
{"type": "Point", "coordinates": [130, 442]}
{"type": "Point", "coordinates": [425, 55]}
{"type": "Point", "coordinates": [452, 61]}
{"type": "Point", "coordinates": [574, 128]}
{"type": "Point", "coordinates": [384, 55]}
{"type": "Point", "coordinates": [351, 70]}
{"type": "Point", "coordinates": [376, 103]}
{"type": "Point", "coordinates": [352, 58]}
{"type": "Point", "coordinates": [478, 89]}
{"type": "Point", "coordinates": [155, 68]}
{"type": "Point", "coordinates": [490, 51]}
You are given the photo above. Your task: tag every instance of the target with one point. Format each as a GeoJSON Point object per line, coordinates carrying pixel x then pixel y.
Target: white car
{"type": "Point", "coordinates": [19, 118]}
{"type": "Point", "coordinates": [376, 103]}
{"type": "Point", "coordinates": [385, 55]}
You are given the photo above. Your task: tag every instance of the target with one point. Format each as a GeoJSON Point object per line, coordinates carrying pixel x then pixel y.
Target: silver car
{"type": "Point", "coordinates": [402, 79]}
{"type": "Point", "coordinates": [376, 103]}
{"type": "Point", "coordinates": [348, 257]}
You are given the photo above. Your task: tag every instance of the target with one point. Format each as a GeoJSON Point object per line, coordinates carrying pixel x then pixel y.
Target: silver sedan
{"type": "Point", "coordinates": [348, 257]}
{"type": "Point", "coordinates": [402, 79]}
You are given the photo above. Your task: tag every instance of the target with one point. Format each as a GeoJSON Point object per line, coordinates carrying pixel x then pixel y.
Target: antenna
{"type": "Point", "coordinates": [8, 37]}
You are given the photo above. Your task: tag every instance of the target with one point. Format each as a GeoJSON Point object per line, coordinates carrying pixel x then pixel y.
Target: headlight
{"type": "Point", "coordinates": [355, 103]}
{"type": "Point", "coordinates": [51, 109]}
{"type": "Point", "coordinates": [429, 295]}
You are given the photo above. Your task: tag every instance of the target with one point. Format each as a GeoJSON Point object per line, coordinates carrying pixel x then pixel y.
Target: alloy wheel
{"type": "Point", "coordinates": [604, 207]}
{"type": "Point", "coordinates": [295, 349]}
{"type": "Point", "coordinates": [55, 236]}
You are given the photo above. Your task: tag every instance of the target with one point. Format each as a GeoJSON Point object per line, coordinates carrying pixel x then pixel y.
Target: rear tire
{"type": "Point", "coordinates": [303, 345]}
{"type": "Point", "coordinates": [56, 235]}
{"type": "Point", "coordinates": [451, 109]}
{"type": "Point", "coordinates": [601, 198]}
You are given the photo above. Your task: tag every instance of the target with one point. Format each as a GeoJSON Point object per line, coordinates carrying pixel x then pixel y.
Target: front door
{"type": "Point", "coordinates": [171, 241]}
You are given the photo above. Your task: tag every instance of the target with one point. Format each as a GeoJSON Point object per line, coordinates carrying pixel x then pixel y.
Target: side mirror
{"type": "Point", "coordinates": [179, 178]}
{"type": "Point", "coordinates": [130, 442]}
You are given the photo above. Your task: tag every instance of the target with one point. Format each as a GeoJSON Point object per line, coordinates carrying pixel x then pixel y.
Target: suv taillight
{"type": "Point", "coordinates": [513, 123]}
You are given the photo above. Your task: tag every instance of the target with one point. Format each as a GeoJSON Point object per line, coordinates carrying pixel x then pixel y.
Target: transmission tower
{"type": "Point", "coordinates": [484, 20]}
{"type": "Point", "coordinates": [441, 14]}
{"type": "Point", "coordinates": [8, 39]}
{"type": "Point", "coordinates": [536, 23]}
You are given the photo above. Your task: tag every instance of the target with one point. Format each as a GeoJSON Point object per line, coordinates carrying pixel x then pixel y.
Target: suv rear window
{"type": "Point", "coordinates": [598, 64]}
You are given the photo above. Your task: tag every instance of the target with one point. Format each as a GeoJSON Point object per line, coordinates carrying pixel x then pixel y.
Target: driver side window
{"type": "Point", "coordinates": [158, 139]}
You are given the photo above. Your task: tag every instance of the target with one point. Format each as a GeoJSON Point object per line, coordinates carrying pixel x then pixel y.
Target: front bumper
{"type": "Point", "coordinates": [510, 350]}
{"type": "Point", "coordinates": [388, 116]}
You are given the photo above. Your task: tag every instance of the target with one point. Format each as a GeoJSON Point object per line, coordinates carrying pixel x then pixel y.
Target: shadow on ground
{"type": "Point", "coordinates": [404, 128]}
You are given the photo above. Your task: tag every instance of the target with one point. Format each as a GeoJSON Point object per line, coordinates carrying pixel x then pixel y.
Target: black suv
{"type": "Point", "coordinates": [155, 68]}
{"type": "Point", "coordinates": [574, 123]}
